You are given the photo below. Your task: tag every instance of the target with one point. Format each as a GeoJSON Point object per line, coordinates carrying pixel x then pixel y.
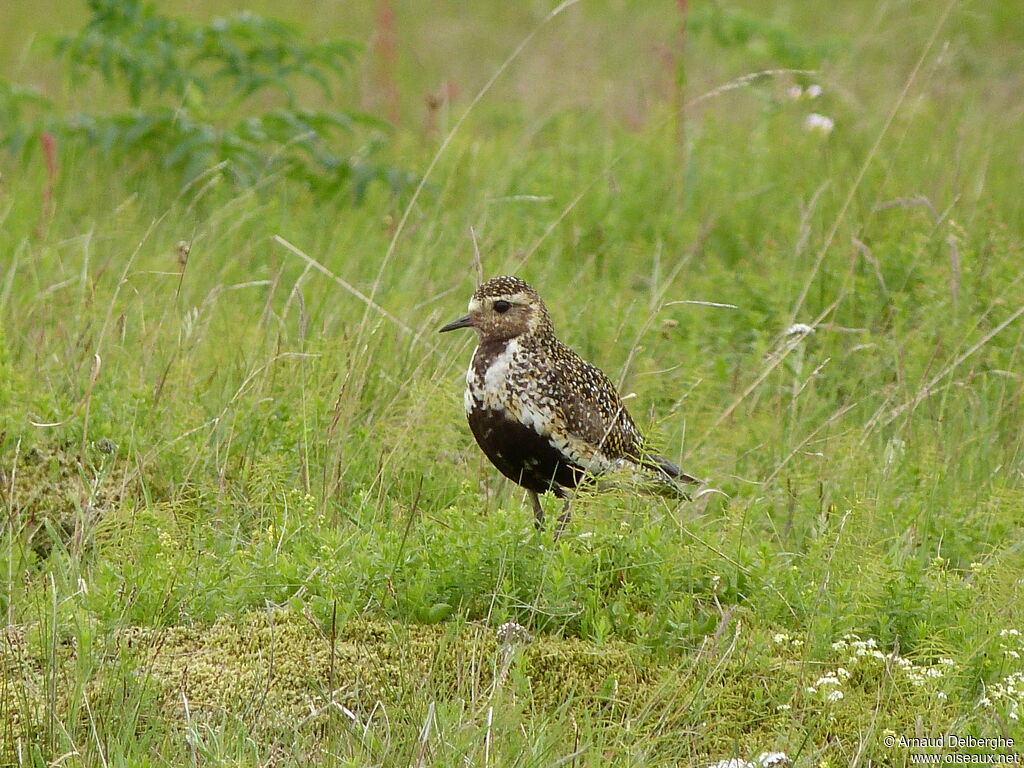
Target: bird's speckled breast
{"type": "Point", "coordinates": [514, 418]}
{"type": "Point", "coordinates": [506, 378]}
{"type": "Point", "coordinates": [502, 377]}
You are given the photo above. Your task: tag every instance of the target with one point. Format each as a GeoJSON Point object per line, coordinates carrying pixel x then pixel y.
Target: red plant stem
{"type": "Point", "coordinates": [387, 57]}
{"type": "Point", "coordinates": [680, 89]}
{"type": "Point", "coordinates": [49, 145]}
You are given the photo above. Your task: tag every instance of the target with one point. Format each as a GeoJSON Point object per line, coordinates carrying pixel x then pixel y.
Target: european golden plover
{"type": "Point", "coordinates": [546, 418]}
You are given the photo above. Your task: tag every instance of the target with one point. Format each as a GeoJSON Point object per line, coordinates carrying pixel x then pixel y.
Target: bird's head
{"type": "Point", "coordinates": [502, 309]}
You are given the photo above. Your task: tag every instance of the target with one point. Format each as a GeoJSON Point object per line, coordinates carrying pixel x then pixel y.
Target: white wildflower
{"type": "Point", "coordinates": [819, 124]}
{"type": "Point", "coordinates": [813, 91]}
{"type": "Point", "coordinates": [764, 760]}
{"type": "Point", "coordinates": [511, 632]}
{"type": "Point", "coordinates": [834, 696]}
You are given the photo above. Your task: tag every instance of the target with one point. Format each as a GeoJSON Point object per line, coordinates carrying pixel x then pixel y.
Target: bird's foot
{"type": "Point", "coordinates": [538, 511]}
{"type": "Point", "coordinates": [563, 519]}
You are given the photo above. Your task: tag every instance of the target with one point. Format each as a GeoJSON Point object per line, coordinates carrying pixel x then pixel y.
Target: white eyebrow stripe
{"type": "Point", "coordinates": [520, 297]}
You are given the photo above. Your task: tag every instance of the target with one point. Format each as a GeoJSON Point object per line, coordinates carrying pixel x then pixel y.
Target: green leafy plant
{"type": "Point", "coordinates": [128, 41]}
{"type": "Point", "coordinates": [190, 90]}
{"type": "Point", "coordinates": [730, 28]}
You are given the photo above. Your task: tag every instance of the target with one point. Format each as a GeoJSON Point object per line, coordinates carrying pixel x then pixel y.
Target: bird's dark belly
{"type": "Point", "coordinates": [521, 454]}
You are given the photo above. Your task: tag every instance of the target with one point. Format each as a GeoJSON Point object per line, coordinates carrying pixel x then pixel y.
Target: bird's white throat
{"type": "Point", "coordinates": [497, 371]}
{"type": "Point", "coordinates": [487, 389]}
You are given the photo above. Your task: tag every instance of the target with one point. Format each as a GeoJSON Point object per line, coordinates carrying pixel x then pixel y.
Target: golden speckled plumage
{"type": "Point", "coordinates": [544, 416]}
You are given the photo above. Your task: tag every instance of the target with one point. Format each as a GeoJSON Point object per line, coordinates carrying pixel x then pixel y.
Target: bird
{"type": "Point", "coordinates": [546, 418]}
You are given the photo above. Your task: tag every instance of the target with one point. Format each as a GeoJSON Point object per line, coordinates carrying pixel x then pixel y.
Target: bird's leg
{"type": "Point", "coordinates": [563, 519]}
{"type": "Point", "coordinates": [538, 510]}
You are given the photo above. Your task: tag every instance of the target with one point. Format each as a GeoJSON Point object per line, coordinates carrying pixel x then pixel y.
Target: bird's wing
{"type": "Point", "coordinates": [593, 412]}
{"type": "Point", "coordinates": [600, 428]}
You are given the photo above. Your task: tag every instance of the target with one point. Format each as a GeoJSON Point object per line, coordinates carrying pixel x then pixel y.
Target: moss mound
{"type": "Point", "coordinates": [281, 670]}
{"type": "Point", "coordinates": [64, 490]}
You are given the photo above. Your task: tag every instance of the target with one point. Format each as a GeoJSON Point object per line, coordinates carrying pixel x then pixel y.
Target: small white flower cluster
{"type": "Point", "coordinates": [1008, 694]}
{"type": "Point", "coordinates": [764, 760]}
{"type": "Point", "coordinates": [867, 650]}
{"type": "Point", "coordinates": [829, 687]}
{"type": "Point", "coordinates": [811, 92]}
{"type": "Point", "coordinates": [511, 632]}
{"type": "Point", "coordinates": [781, 638]}
{"type": "Point", "coordinates": [814, 122]}
{"type": "Point", "coordinates": [1011, 643]}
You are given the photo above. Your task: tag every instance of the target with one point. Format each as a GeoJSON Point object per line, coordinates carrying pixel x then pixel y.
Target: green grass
{"type": "Point", "coordinates": [256, 529]}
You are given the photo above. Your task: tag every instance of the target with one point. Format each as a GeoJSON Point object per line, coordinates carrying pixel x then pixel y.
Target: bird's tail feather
{"type": "Point", "coordinates": [671, 478]}
{"type": "Point", "coordinates": [650, 473]}
{"type": "Point", "coordinates": [661, 464]}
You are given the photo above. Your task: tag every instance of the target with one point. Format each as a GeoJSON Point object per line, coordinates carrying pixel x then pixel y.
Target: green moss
{"type": "Point", "coordinates": [65, 492]}
{"type": "Point", "coordinates": [278, 669]}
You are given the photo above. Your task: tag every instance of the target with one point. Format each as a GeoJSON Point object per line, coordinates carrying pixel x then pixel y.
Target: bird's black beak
{"type": "Point", "coordinates": [462, 322]}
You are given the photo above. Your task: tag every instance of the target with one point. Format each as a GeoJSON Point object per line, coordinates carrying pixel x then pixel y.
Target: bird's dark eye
{"type": "Point", "coordinates": [502, 306]}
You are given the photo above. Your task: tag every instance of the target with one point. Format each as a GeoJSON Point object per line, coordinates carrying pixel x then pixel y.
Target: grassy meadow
{"type": "Point", "coordinates": [243, 521]}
